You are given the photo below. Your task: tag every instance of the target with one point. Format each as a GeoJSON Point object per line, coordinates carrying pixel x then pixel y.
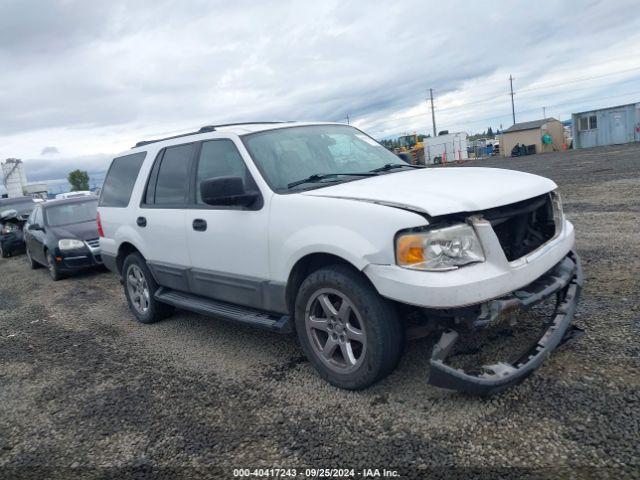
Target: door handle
{"type": "Point", "coordinates": [141, 222]}
{"type": "Point", "coordinates": [199, 225]}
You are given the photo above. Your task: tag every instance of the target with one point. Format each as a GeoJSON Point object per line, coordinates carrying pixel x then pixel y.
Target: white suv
{"type": "Point", "coordinates": [317, 228]}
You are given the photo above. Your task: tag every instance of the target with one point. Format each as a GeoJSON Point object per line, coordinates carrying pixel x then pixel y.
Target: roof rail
{"type": "Point", "coordinates": [205, 129]}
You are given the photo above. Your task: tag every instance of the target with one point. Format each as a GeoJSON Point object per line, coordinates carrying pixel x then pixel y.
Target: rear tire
{"type": "Point", "coordinates": [350, 334]}
{"type": "Point", "coordinates": [30, 261]}
{"type": "Point", "coordinates": [139, 288]}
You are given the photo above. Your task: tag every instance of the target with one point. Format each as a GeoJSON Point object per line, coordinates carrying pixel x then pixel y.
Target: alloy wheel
{"type": "Point", "coordinates": [138, 289]}
{"type": "Point", "coordinates": [336, 330]}
{"type": "Point", "coordinates": [51, 266]}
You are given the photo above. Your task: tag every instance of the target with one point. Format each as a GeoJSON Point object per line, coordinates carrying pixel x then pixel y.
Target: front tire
{"type": "Point", "coordinates": [54, 271]}
{"type": "Point", "coordinates": [350, 334]}
{"type": "Point", "coordinates": [139, 288]}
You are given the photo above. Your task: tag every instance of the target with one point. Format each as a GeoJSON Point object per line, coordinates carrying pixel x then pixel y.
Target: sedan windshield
{"type": "Point", "coordinates": [70, 213]}
{"type": "Point", "coordinates": [321, 153]}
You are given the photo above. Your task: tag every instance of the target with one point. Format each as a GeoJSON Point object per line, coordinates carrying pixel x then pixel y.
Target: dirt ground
{"type": "Point", "coordinates": [87, 392]}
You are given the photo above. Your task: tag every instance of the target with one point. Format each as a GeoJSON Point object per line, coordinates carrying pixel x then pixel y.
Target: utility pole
{"type": "Point", "coordinates": [544, 112]}
{"type": "Point", "coordinates": [433, 113]}
{"type": "Point", "coordinates": [513, 109]}
{"type": "Point", "coordinates": [348, 119]}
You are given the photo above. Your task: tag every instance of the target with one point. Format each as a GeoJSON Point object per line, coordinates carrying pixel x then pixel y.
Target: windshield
{"type": "Point", "coordinates": [69, 213]}
{"type": "Point", "coordinates": [287, 155]}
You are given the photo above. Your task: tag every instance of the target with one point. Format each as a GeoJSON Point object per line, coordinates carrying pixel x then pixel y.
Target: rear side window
{"type": "Point", "coordinates": [168, 183]}
{"type": "Point", "coordinates": [122, 175]}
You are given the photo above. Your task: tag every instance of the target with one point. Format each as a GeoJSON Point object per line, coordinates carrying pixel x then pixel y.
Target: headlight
{"type": "Point", "coordinates": [7, 229]}
{"type": "Point", "coordinates": [440, 249]}
{"type": "Point", "coordinates": [69, 244]}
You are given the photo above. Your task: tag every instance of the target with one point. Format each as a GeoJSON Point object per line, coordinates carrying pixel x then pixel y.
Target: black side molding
{"type": "Point", "coordinates": [227, 311]}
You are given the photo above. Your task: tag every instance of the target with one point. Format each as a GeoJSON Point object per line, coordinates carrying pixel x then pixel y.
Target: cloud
{"type": "Point", "coordinates": [97, 77]}
{"type": "Point", "coordinates": [41, 170]}
{"type": "Point", "coordinates": [49, 151]}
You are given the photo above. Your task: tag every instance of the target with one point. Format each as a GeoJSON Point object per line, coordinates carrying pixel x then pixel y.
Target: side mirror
{"type": "Point", "coordinates": [226, 191]}
{"type": "Point", "coordinates": [35, 226]}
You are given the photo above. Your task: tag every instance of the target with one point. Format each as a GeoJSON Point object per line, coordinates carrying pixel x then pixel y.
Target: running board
{"type": "Point", "coordinates": [206, 306]}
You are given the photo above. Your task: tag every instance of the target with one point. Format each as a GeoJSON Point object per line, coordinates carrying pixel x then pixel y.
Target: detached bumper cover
{"type": "Point", "coordinates": [565, 278]}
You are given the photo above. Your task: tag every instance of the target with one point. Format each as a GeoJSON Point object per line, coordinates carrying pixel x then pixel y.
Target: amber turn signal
{"type": "Point", "coordinates": [409, 250]}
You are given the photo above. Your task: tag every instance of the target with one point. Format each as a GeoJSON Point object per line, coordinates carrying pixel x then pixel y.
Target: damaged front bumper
{"type": "Point", "coordinates": [564, 280]}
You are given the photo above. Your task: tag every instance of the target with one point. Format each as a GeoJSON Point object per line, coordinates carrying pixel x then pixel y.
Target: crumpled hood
{"type": "Point", "coordinates": [440, 191]}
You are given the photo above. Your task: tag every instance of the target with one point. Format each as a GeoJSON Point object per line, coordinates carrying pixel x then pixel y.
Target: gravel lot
{"type": "Point", "coordinates": [86, 391]}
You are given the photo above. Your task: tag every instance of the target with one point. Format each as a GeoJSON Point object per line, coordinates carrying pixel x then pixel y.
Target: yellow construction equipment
{"type": "Point", "coordinates": [411, 145]}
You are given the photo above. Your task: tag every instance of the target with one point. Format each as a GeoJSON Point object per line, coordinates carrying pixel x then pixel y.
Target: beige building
{"type": "Point", "coordinates": [531, 133]}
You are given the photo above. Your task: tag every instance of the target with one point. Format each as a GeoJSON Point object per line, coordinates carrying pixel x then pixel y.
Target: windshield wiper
{"type": "Point", "coordinates": [391, 166]}
{"type": "Point", "coordinates": [316, 177]}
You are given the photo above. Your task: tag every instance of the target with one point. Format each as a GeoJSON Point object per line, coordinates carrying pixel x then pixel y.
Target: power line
{"type": "Point", "coordinates": [577, 80]}
{"type": "Point", "coordinates": [523, 91]}
{"type": "Point", "coordinates": [570, 102]}
{"type": "Point", "coordinates": [421, 115]}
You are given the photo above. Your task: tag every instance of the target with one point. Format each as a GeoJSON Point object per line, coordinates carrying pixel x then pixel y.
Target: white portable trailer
{"type": "Point", "coordinates": [449, 147]}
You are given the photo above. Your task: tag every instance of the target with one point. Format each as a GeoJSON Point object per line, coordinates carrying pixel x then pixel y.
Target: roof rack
{"type": "Point", "coordinates": [205, 129]}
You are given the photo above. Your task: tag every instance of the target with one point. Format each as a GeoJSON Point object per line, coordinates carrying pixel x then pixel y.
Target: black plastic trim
{"type": "Point", "coordinates": [206, 306]}
{"type": "Point", "coordinates": [171, 276]}
{"type": "Point", "coordinates": [205, 129]}
{"type": "Point", "coordinates": [242, 290]}
{"type": "Point", "coordinates": [503, 375]}
{"type": "Point", "coordinates": [110, 262]}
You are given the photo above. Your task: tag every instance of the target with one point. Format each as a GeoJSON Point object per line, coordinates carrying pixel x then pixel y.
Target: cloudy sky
{"type": "Point", "coordinates": [80, 81]}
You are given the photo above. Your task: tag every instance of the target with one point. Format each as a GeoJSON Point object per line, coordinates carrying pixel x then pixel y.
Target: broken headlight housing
{"type": "Point", "coordinates": [7, 228]}
{"type": "Point", "coordinates": [439, 249]}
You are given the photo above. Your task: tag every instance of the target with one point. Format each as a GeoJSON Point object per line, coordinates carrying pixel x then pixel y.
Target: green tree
{"type": "Point", "coordinates": [79, 180]}
{"type": "Point", "coordinates": [490, 133]}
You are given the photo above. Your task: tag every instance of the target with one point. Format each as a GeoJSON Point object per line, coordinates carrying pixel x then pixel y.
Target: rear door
{"type": "Point", "coordinates": [161, 216]}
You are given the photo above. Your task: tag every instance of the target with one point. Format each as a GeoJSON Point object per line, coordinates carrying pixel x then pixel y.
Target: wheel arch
{"type": "Point", "coordinates": [124, 250]}
{"type": "Point", "coordinates": [308, 264]}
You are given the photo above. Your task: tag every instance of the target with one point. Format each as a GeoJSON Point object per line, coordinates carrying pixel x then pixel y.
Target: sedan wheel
{"type": "Point", "coordinates": [30, 260]}
{"type": "Point", "coordinates": [54, 273]}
